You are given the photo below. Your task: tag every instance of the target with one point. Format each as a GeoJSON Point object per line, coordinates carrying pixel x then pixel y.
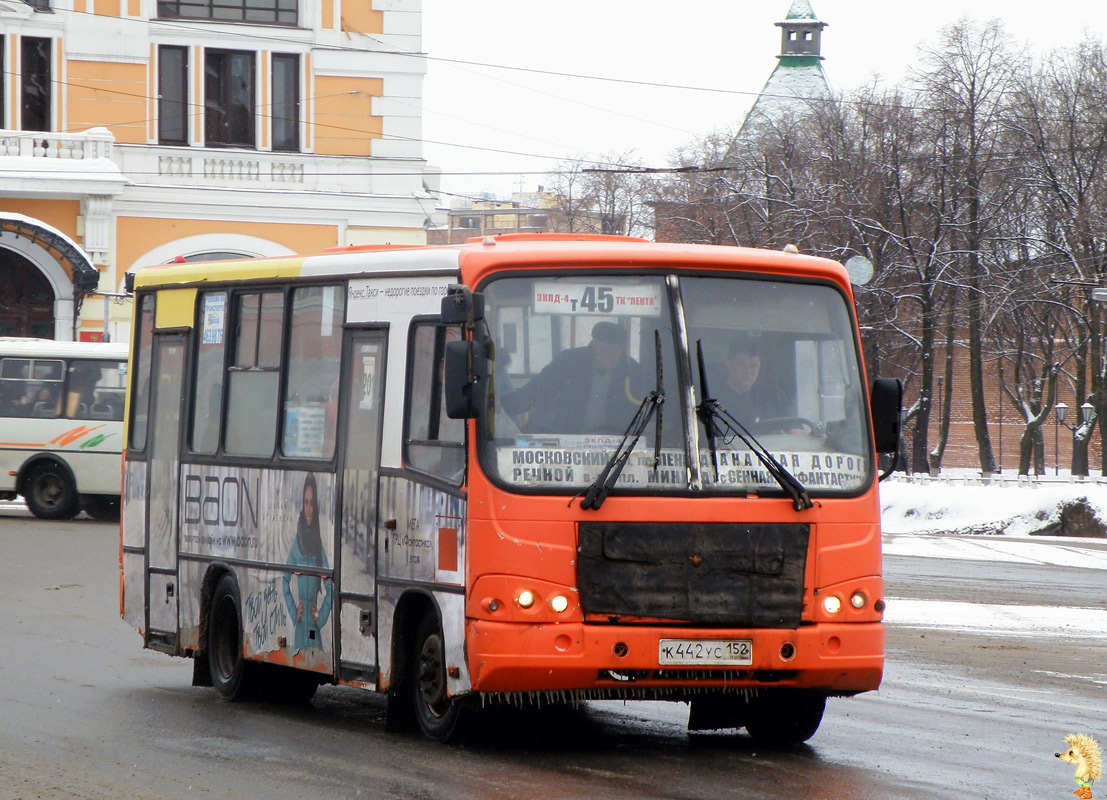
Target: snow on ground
{"type": "Point", "coordinates": [993, 619]}
{"type": "Point", "coordinates": [963, 504]}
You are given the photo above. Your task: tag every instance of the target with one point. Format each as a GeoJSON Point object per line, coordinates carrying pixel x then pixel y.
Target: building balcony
{"type": "Point", "coordinates": [45, 164]}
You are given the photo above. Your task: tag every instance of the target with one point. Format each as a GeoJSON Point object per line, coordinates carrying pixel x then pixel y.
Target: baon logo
{"type": "Point", "coordinates": [1084, 753]}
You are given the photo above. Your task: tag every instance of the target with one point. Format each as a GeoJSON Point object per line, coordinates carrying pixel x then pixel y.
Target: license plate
{"type": "Point", "coordinates": [736, 652]}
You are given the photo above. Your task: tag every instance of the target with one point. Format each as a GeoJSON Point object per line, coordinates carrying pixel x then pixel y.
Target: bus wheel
{"type": "Point", "coordinates": [439, 718]}
{"type": "Point", "coordinates": [50, 493]}
{"type": "Point", "coordinates": [102, 507]}
{"type": "Point", "coordinates": [784, 717]}
{"type": "Point", "coordinates": [230, 672]}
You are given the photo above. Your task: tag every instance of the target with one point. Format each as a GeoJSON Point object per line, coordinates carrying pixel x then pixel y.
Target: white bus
{"type": "Point", "coordinates": [61, 426]}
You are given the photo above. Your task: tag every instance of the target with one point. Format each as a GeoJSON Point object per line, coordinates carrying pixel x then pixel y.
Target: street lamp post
{"type": "Point", "coordinates": [1060, 412]}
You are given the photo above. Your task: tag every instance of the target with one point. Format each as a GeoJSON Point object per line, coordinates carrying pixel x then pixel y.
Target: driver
{"type": "Point", "coordinates": [745, 394]}
{"type": "Point", "coordinates": [583, 390]}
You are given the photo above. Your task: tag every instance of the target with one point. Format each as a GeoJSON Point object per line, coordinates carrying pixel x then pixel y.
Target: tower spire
{"type": "Point", "coordinates": [801, 33]}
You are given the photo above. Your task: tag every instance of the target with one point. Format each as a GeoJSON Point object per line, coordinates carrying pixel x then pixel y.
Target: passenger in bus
{"type": "Point", "coordinates": [745, 393]}
{"type": "Point", "coordinates": [46, 402]}
{"type": "Point", "coordinates": [82, 386]}
{"type": "Point", "coordinates": [307, 551]}
{"type": "Point", "coordinates": [583, 390]}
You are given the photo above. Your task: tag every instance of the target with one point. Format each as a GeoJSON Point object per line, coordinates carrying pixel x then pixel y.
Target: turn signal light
{"type": "Point", "coordinates": [858, 600]}
{"type": "Point", "coordinates": [559, 603]}
{"type": "Point", "coordinates": [525, 598]}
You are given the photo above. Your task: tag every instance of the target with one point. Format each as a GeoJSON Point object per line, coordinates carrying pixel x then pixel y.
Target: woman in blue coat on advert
{"type": "Point", "coordinates": [307, 551]}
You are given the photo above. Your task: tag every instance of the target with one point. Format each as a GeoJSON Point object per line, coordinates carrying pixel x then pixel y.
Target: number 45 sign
{"type": "Point", "coordinates": [563, 297]}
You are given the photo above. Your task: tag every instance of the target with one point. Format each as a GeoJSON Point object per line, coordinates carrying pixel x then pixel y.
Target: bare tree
{"type": "Point", "coordinates": [967, 82]}
{"type": "Point", "coordinates": [606, 196]}
{"type": "Point", "coordinates": [1061, 120]}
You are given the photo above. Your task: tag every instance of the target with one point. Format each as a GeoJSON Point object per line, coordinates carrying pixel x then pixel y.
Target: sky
{"type": "Point", "coordinates": [479, 119]}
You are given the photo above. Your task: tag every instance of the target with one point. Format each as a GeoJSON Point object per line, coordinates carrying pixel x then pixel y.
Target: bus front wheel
{"type": "Point", "coordinates": [50, 493]}
{"type": "Point", "coordinates": [439, 717]}
{"type": "Point", "coordinates": [785, 716]}
{"type": "Point", "coordinates": [230, 672]}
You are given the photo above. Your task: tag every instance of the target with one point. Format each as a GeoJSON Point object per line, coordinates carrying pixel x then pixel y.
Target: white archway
{"type": "Point", "coordinates": [59, 281]}
{"type": "Point", "coordinates": [249, 246]}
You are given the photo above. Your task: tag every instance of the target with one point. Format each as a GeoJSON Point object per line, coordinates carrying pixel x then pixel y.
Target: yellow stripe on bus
{"type": "Point", "coordinates": [210, 271]}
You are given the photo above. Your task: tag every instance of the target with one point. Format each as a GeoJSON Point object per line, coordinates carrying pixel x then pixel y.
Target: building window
{"type": "Point", "coordinates": [172, 95]}
{"type": "Point", "coordinates": [35, 84]}
{"type": "Point", "coordinates": [286, 102]}
{"type": "Point", "coordinates": [229, 98]}
{"type": "Point", "coordinates": [272, 12]}
{"type": "Point", "coordinates": [39, 5]}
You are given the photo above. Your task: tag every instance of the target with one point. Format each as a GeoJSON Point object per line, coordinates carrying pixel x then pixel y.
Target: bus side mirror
{"type": "Point", "coordinates": [461, 306]}
{"type": "Point", "coordinates": [886, 403]}
{"type": "Point", "coordinates": [465, 376]}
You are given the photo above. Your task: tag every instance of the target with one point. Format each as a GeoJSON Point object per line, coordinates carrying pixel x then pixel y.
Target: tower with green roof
{"type": "Point", "coordinates": [798, 80]}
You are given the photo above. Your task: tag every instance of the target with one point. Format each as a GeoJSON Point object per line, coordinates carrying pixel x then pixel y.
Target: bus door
{"type": "Point", "coordinates": [359, 463]}
{"type": "Point", "coordinates": [161, 523]}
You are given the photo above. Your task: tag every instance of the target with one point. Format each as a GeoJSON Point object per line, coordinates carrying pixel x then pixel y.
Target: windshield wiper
{"type": "Point", "coordinates": [719, 423]}
{"type": "Point", "coordinates": [601, 487]}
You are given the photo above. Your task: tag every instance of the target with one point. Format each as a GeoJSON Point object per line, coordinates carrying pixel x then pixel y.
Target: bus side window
{"type": "Point", "coordinates": [254, 376]}
{"type": "Point", "coordinates": [207, 400]}
{"type": "Point", "coordinates": [433, 442]}
{"type": "Point", "coordinates": [140, 380]}
{"type": "Point", "coordinates": [314, 355]}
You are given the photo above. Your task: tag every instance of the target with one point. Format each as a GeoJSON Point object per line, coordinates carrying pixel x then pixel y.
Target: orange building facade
{"type": "Point", "coordinates": [138, 132]}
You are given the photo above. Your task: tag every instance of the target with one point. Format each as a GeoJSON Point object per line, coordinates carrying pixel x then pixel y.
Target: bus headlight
{"type": "Point", "coordinates": [558, 603]}
{"type": "Point", "coordinates": [831, 604]}
{"type": "Point", "coordinates": [858, 600]}
{"type": "Point", "coordinates": [525, 598]}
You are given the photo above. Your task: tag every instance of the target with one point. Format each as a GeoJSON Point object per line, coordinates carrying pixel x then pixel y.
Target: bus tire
{"type": "Point", "coordinates": [785, 716]}
{"type": "Point", "coordinates": [439, 717]}
{"type": "Point", "coordinates": [50, 492]}
{"type": "Point", "coordinates": [102, 507]}
{"type": "Point", "coordinates": [231, 673]}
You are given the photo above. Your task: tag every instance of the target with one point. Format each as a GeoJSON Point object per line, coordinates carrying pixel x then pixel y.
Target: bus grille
{"type": "Point", "coordinates": [718, 574]}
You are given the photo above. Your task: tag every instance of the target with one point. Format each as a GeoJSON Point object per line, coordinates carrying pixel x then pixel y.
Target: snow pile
{"type": "Point", "coordinates": [934, 506]}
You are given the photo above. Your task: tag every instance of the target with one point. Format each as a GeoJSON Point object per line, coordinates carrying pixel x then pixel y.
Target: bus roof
{"type": "Point", "coordinates": [51, 348]}
{"type": "Point", "coordinates": [480, 256]}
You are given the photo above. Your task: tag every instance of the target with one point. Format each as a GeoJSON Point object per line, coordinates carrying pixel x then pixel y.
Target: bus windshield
{"type": "Point", "coordinates": [574, 357]}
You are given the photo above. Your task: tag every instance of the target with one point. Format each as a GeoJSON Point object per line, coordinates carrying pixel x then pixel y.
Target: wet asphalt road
{"type": "Point", "coordinates": [86, 713]}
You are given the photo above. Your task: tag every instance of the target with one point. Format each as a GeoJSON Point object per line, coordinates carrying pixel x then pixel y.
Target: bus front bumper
{"type": "Point", "coordinates": [839, 658]}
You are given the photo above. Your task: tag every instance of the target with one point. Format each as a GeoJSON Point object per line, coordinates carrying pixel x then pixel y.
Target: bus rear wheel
{"type": "Point", "coordinates": [230, 672]}
{"type": "Point", "coordinates": [785, 716]}
{"type": "Point", "coordinates": [439, 717]}
{"type": "Point", "coordinates": [50, 493]}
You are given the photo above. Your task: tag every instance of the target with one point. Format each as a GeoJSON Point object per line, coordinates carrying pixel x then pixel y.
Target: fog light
{"type": "Point", "coordinates": [559, 603]}
{"type": "Point", "coordinates": [525, 598]}
{"type": "Point", "coordinates": [858, 600]}
{"type": "Point", "coordinates": [832, 605]}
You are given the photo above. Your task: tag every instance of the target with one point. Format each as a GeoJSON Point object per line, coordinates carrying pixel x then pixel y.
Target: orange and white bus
{"type": "Point", "coordinates": [61, 425]}
{"type": "Point", "coordinates": [494, 472]}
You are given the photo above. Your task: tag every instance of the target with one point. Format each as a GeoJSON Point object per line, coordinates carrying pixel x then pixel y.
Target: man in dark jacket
{"type": "Point", "coordinates": [583, 390]}
{"type": "Point", "coordinates": [745, 393]}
